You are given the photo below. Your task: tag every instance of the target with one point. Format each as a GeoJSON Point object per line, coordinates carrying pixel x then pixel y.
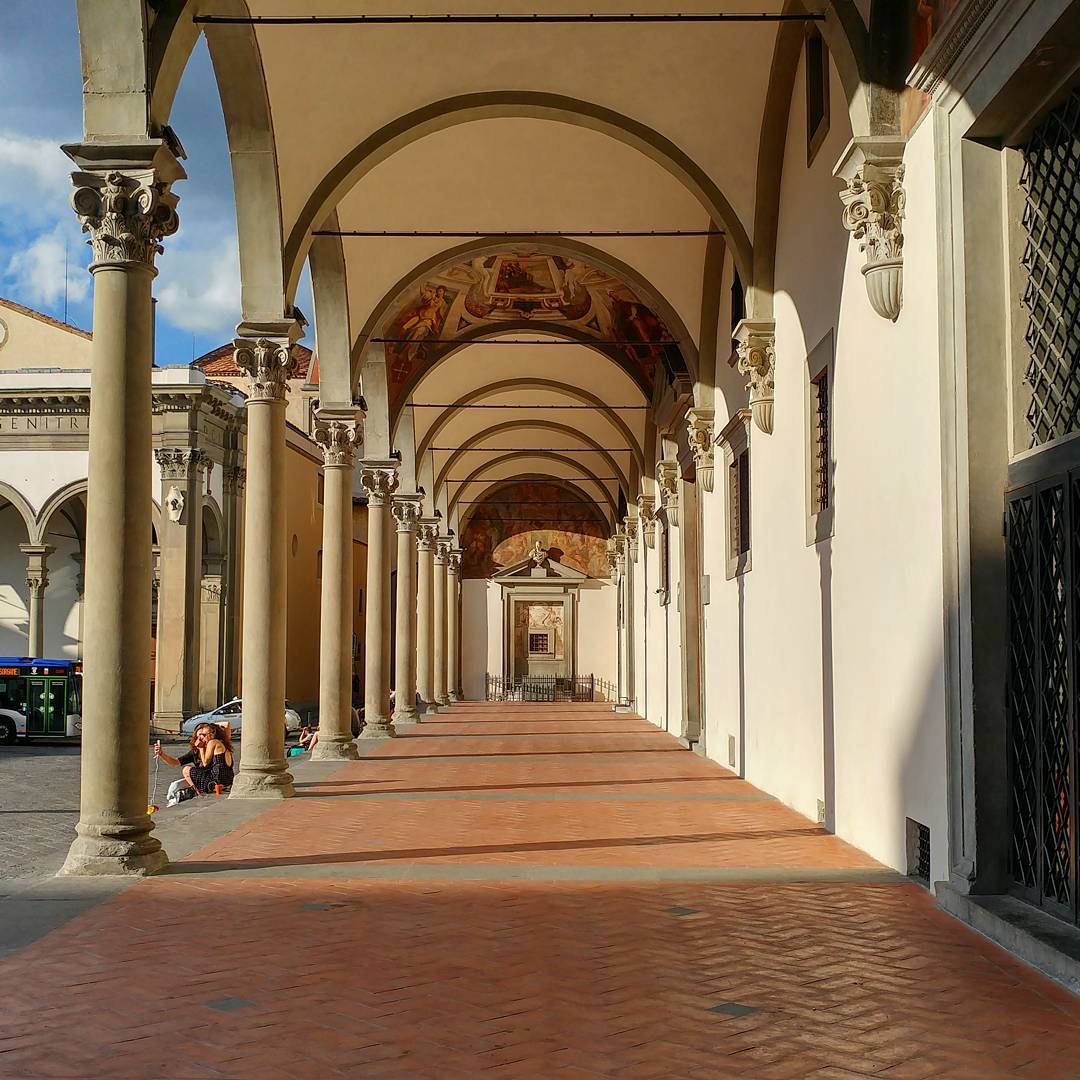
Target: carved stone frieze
{"type": "Point", "coordinates": [646, 505]}
{"type": "Point", "coordinates": [406, 510]}
{"type": "Point", "coordinates": [874, 200]}
{"type": "Point", "coordinates": [268, 364]}
{"type": "Point", "coordinates": [180, 463]}
{"type": "Point", "coordinates": [667, 481]}
{"type": "Point", "coordinates": [379, 479]}
{"type": "Point", "coordinates": [338, 439]}
{"type": "Point", "coordinates": [126, 218]}
{"type": "Point", "coordinates": [756, 347]}
{"type": "Point", "coordinates": [699, 426]}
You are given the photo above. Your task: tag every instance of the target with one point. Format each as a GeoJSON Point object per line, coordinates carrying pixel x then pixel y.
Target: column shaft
{"type": "Point", "coordinates": [425, 617]}
{"type": "Point", "coordinates": [439, 656]}
{"type": "Point", "coordinates": [114, 827]}
{"type": "Point", "coordinates": [379, 480]}
{"type": "Point", "coordinates": [37, 581]}
{"type": "Point", "coordinates": [335, 637]}
{"type": "Point", "coordinates": [453, 625]}
{"type": "Point", "coordinates": [263, 773]}
{"type": "Point", "coordinates": [406, 514]}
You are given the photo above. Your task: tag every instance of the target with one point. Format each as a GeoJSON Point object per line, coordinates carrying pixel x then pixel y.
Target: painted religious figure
{"type": "Point", "coordinates": [419, 324]}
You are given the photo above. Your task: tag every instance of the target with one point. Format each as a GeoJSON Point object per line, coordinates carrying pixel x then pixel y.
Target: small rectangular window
{"type": "Point", "coordinates": [318, 565]}
{"type": "Point", "coordinates": [817, 92]}
{"type": "Point", "coordinates": [738, 302]}
{"type": "Point", "coordinates": [321, 495]}
{"type": "Point", "coordinates": [918, 852]}
{"type": "Point", "coordinates": [539, 644]}
{"type": "Point", "coordinates": [820, 495]}
{"type": "Point", "coordinates": [739, 488]}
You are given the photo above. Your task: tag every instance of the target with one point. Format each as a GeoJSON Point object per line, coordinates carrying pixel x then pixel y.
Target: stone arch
{"type": "Point", "coordinates": [13, 498]}
{"type": "Point", "coordinates": [582, 396]}
{"type": "Point", "coordinates": [495, 486]}
{"type": "Point", "coordinates": [213, 529]}
{"type": "Point", "coordinates": [52, 506]}
{"type": "Point", "coordinates": [533, 424]}
{"type": "Point", "coordinates": [465, 108]}
{"type": "Point", "coordinates": [586, 474]}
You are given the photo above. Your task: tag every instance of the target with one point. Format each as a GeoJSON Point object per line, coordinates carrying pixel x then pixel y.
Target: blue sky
{"type": "Point", "coordinates": [198, 284]}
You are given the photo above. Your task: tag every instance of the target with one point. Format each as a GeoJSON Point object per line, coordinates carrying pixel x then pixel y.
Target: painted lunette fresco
{"type": "Point", "coordinates": [512, 519]}
{"type": "Point", "coordinates": [552, 291]}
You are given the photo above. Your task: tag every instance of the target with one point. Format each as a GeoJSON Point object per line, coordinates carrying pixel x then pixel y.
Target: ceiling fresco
{"type": "Point", "coordinates": [518, 288]}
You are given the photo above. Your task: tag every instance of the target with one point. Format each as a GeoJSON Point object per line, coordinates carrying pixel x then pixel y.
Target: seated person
{"type": "Point", "coordinates": [207, 766]}
{"type": "Point", "coordinates": [309, 736]}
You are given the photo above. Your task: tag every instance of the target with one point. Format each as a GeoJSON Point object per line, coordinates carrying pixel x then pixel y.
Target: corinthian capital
{"type": "Point", "coordinates": [427, 532]}
{"type": "Point", "coordinates": [453, 560]}
{"type": "Point", "coordinates": [178, 463]}
{"type": "Point", "coordinates": [338, 439]}
{"type": "Point", "coordinates": [379, 479]}
{"type": "Point", "coordinates": [268, 364]}
{"type": "Point", "coordinates": [406, 511]}
{"type": "Point", "coordinates": [699, 426]}
{"type": "Point", "coordinates": [874, 201]}
{"type": "Point", "coordinates": [667, 481]}
{"type": "Point", "coordinates": [646, 506]}
{"type": "Point", "coordinates": [127, 217]}
{"type": "Point", "coordinates": [756, 346]}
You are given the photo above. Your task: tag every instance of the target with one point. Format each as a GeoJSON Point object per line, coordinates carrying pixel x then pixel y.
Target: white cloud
{"type": "Point", "coordinates": [35, 180]}
{"type": "Point", "coordinates": [37, 272]}
{"type": "Point", "coordinates": [198, 288]}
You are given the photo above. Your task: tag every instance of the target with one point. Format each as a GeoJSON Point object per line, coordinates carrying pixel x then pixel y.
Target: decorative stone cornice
{"type": "Point", "coordinates": [699, 427]}
{"type": "Point", "coordinates": [667, 482]}
{"type": "Point", "coordinates": [646, 505]}
{"type": "Point", "coordinates": [427, 532]}
{"type": "Point", "coordinates": [379, 479]}
{"type": "Point", "coordinates": [874, 200]}
{"type": "Point", "coordinates": [756, 347]}
{"type": "Point", "coordinates": [406, 510]}
{"type": "Point", "coordinates": [127, 217]}
{"type": "Point", "coordinates": [268, 363]}
{"type": "Point", "coordinates": [949, 43]}
{"type": "Point", "coordinates": [338, 439]}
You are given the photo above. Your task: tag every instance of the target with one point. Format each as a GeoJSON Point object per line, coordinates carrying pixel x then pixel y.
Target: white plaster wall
{"type": "Point", "coordinates": [597, 638]}
{"type": "Point", "coordinates": [641, 589]}
{"type": "Point", "coordinates": [37, 474]}
{"type": "Point", "coordinates": [831, 654]}
{"type": "Point", "coordinates": [477, 632]}
{"type": "Point", "coordinates": [14, 604]}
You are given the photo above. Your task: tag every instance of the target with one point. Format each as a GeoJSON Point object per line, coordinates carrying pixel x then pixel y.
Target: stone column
{"type": "Point", "coordinates": [453, 624]}
{"type": "Point", "coordinates": [232, 493]}
{"type": "Point", "coordinates": [266, 358]}
{"type": "Point", "coordinates": [337, 435]}
{"type": "Point", "coordinates": [213, 595]}
{"type": "Point", "coordinates": [439, 665]}
{"type": "Point", "coordinates": [427, 531]}
{"type": "Point", "coordinates": [126, 213]}
{"type": "Point", "coordinates": [379, 480]}
{"type": "Point", "coordinates": [37, 581]}
{"type": "Point", "coordinates": [406, 510]}
{"type": "Point", "coordinates": [179, 599]}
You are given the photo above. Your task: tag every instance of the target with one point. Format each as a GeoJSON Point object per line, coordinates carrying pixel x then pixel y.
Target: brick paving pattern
{"type": "Point", "coordinates": [589, 970]}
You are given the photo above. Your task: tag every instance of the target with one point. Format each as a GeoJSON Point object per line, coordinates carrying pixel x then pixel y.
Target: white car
{"type": "Point", "coordinates": [232, 713]}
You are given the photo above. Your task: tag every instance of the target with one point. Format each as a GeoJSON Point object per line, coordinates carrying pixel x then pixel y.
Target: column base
{"type": "Point", "coordinates": [378, 727]}
{"type": "Point", "coordinates": [443, 702]}
{"type": "Point", "coordinates": [253, 784]}
{"type": "Point", "coordinates": [166, 723]}
{"type": "Point", "coordinates": [119, 848]}
{"type": "Point", "coordinates": [428, 708]}
{"type": "Point", "coordinates": [454, 697]}
{"type": "Point", "coordinates": [335, 749]}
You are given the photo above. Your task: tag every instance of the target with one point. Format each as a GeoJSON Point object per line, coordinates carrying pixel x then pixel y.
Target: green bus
{"type": "Point", "coordinates": [40, 698]}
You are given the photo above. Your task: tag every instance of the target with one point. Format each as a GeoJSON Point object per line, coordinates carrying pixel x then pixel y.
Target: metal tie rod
{"type": "Point", "coordinates": [515, 341]}
{"type": "Point", "coordinates": [600, 408]}
{"type": "Point", "coordinates": [534, 18]}
{"type": "Point", "coordinates": [463, 234]}
{"type": "Point", "coordinates": [528, 449]}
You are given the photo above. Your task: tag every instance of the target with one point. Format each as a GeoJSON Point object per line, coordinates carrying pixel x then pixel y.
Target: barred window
{"type": "Point", "coordinates": [738, 302]}
{"type": "Point", "coordinates": [1050, 179]}
{"type": "Point", "coordinates": [819, 442]}
{"type": "Point", "coordinates": [539, 643]}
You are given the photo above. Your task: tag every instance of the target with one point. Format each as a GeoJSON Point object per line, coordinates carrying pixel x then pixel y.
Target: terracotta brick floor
{"type": "Point", "coordinates": [475, 897]}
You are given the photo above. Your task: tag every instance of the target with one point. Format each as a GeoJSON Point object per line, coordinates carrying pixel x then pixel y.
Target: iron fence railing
{"type": "Point", "coordinates": [549, 688]}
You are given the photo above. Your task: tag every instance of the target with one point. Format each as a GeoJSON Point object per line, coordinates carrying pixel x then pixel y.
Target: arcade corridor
{"type": "Point", "coordinates": [534, 890]}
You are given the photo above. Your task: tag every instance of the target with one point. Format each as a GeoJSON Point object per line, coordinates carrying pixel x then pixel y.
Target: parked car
{"type": "Point", "coordinates": [232, 713]}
